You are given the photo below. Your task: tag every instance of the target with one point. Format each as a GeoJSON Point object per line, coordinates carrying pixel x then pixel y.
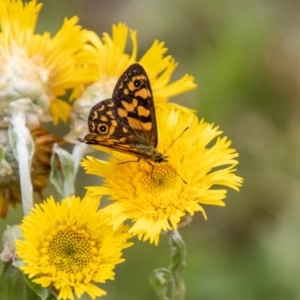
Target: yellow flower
{"type": "Point", "coordinates": [69, 247]}
{"type": "Point", "coordinates": [38, 66]}
{"type": "Point", "coordinates": [156, 196]}
{"type": "Point", "coordinates": [112, 62]}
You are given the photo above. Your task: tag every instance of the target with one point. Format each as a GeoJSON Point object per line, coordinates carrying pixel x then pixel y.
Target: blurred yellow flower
{"type": "Point", "coordinates": [38, 66]}
{"type": "Point", "coordinates": [156, 196]}
{"type": "Point", "coordinates": [69, 247]}
{"type": "Point", "coordinates": [112, 61]}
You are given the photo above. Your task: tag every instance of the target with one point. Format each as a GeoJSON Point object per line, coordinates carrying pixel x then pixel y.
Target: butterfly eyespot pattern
{"type": "Point", "coordinates": [127, 122]}
{"type": "Point", "coordinates": [103, 128]}
{"type": "Point", "coordinates": [137, 83]}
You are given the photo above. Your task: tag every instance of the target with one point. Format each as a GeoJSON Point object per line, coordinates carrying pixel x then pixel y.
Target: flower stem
{"type": "Point", "coordinates": [178, 258]}
{"type": "Point", "coordinates": [162, 278]}
{"type": "Point", "coordinates": [22, 145]}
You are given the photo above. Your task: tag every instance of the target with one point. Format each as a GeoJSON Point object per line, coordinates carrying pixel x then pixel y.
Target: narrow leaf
{"type": "Point", "coordinates": [160, 280]}
{"type": "Point", "coordinates": [13, 285]}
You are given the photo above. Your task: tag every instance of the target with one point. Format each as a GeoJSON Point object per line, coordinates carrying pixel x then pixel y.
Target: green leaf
{"type": "Point", "coordinates": [55, 177]}
{"type": "Point", "coordinates": [13, 285]}
{"type": "Point", "coordinates": [178, 262]}
{"type": "Point", "coordinates": [160, 280]}
{"type": "Point", "coordinates": [44, 294]}
{"type": "Point", "coordinates": [62, 175]}
{"type": "Point", "coordinates": [178, 255]}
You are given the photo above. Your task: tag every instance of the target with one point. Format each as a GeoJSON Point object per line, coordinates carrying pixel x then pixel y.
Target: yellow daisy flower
{"type": "Point", "coordinates": [156, 196]}
{"type": "Point", "coordinates": [38, 66]}
{"type": "Point", "coordinates": [112, 62]}
{"type": "Point", "coordinates": [69, 247]}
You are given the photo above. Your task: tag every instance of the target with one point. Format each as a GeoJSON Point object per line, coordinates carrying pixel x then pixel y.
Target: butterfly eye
{"type": "Point", "coordinates": [137, 83]}
{"type": "Point", "coordinates": [103, 128]}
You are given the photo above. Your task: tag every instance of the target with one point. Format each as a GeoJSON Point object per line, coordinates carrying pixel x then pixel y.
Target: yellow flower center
{"type": "Point", "coordinates": [158, 179]}
{"type": "Point", "coordinates": [70, 250]}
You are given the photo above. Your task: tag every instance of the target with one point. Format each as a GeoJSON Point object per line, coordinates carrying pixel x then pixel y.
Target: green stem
{"type": "Point", "coordinates": [161, 279]}
{"type": "Point", "coordinates": [178, 258]}
{"type": "Point", "coordinates": [22, 145]}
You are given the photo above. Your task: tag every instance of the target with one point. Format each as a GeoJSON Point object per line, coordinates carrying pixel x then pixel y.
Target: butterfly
{"type": "Point", "coordinates": [127, 122]}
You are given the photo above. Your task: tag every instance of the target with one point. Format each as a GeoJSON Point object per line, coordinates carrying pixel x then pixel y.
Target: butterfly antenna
{"type": "Point", "coordinates": [176, 140]}
{"type": "Point", "coordinates": [171, 146]}
{"type": "Point", "coordinates": [181, 178]}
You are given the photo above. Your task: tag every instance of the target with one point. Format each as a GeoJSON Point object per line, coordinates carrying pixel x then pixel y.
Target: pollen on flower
{"type": "Point", "coordinates": [160, 178]}
{"type": "Point", "coordinates": [70, 251]}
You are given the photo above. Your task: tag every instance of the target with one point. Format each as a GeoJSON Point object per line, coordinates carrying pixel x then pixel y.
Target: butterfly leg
{"type": "Point", "coordinates": [152, 168]}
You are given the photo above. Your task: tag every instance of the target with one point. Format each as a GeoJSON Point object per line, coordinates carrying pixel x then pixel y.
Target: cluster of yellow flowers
{"type": "Point", "coordinates": [71, 245]}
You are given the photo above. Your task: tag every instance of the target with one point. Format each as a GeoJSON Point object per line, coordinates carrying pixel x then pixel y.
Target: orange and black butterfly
{"type": "Point", "coordinates": [127, 121]}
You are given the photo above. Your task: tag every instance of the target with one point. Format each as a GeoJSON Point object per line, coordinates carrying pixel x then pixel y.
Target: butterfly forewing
{"type": "Point", "coordinates": [135, 106]}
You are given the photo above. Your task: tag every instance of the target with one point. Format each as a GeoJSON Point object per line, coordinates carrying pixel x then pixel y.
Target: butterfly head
{"type": "Point", "coordinates": [159, 157]}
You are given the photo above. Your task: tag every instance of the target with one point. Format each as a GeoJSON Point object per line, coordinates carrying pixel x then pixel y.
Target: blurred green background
{"type": "Point", "coordinates": [246, 60]}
